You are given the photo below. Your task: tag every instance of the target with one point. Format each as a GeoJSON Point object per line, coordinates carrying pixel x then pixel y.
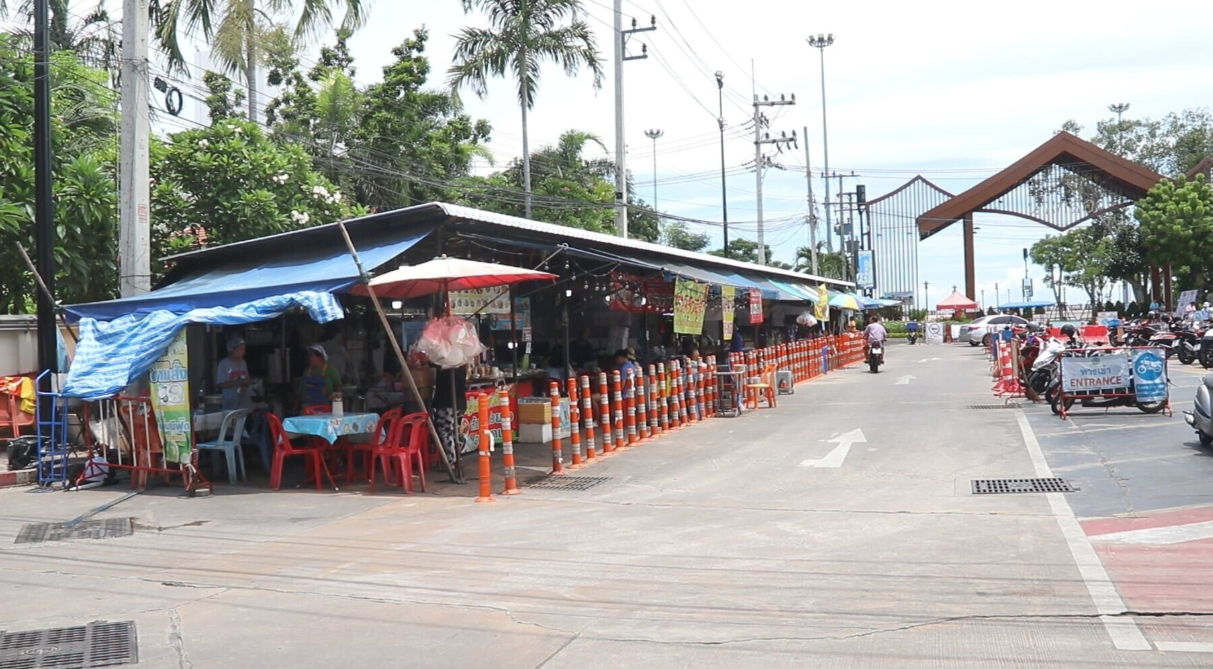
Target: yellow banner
{"type": "Point", "coordinates": [822, 308]}
{"type": "Point", "coordinates": [170, 381]}
{"type": "Point", "coordinates": [728, 309]}
{"type": "Point", "coordinates": [690, 301]}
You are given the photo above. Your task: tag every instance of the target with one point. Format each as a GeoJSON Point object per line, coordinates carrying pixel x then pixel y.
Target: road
{"type": "Point", "coordinates": [838, 530]}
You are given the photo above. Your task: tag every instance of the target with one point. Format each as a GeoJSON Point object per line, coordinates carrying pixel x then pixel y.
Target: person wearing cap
{"type": "Point", "coordinates": [320, 380]}
{"type": "Point", "coordinates": [233, 378]}
{"type": "Point", "coordinates": [625, 360]}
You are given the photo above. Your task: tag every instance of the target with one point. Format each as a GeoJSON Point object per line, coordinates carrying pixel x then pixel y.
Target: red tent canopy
{"type": "Point", "coordinates": [957, 302]}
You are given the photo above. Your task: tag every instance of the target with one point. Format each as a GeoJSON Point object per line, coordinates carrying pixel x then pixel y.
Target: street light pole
{"type": "Point", "coordinates": [654, 135]}
{"type": "Point", "coordinates": [724, 197]}
{"type": "Point", "coordinates": [820, 42]}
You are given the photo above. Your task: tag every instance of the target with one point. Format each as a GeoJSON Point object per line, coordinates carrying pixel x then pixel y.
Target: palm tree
{"type": "Point", "coordinates": [237, 29]}
{"type": "Point", "coordinates": [521, 35]}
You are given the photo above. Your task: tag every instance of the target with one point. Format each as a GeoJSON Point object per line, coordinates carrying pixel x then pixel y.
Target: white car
{"type": "Point", "coordinates": [978, 332]}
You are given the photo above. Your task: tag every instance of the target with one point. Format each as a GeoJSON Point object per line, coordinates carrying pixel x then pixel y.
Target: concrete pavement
{"type": "Point", "coordinates": [724, 544]}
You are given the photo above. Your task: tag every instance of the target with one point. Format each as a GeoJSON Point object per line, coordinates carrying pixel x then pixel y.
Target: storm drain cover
{"type": "Point", "coordinates": [89, 529]}
{"type": "Point", "coordinates": [97, 644]}
{"type": "Point", "coordinates": [1007, 486]}
{"type": "Point", "coordinates": [1010, 405]}
{"type": "Point", "coordinates": [566, 483]}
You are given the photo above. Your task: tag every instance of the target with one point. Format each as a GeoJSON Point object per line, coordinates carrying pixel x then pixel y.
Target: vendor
{"type": "Point", "coordinates": [450, 403]}
{"type": "Point", "coordinates": [625, 362]}
{"type": "Point", "coordinates": [320, 380]}
{"type": "Point", "coordinates": [233, 378]}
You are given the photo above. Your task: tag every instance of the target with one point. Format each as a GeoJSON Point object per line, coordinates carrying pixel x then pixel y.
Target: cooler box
{"type": "Point", "coordinates": [785, 383]}
{"type": "Point", "coordinates": [535, 411]}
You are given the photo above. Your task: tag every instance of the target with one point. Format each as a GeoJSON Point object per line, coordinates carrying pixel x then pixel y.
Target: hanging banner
{"type": "Point", "coordinates": [1105, 372]}
{"type": "Point", "coordinates": [728, 310]}
{"type": "Point", "coordinates": [864, 277]}
{"type": "Point", "coordinates": [469, 424]}
{"type": "Point", "coordinates": [690, 302]}
{"type": "Point", "coordinates": [1185, 298]}
{"type": "Point", "coordinates": [822, 308]}
{"type": "Point", "coordinates": [639, 295]}
{"type": "Point", "coordinates": [494, 301]}
{"type": "Point", "coordinates": [755, 306]}
{"type": "Point", "coordinates": [1150, 375]}
{"type": "Point", "coordinates": [170, 394]}
{"type": "Point", "coordinates": [522, 316]}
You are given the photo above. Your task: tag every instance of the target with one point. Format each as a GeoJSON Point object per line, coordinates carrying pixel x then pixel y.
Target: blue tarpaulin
{"type": "Point", "coordinates": [113, 354]}
{"type": "Point", "coordinates": [255, 276]}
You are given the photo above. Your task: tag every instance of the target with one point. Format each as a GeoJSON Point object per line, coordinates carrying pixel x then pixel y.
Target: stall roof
{"type": "Point", "coordinates": [456, 219]}
{"type": "Point", "coordinates": [254, 275]}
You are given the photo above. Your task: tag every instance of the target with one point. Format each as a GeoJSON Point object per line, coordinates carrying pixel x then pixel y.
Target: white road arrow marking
{"type": "Point", "coordinates": [834, 458]}
{"type": "Point", "coordinates": [928, 360]}
{"type": "Point", "coordinates": [905, 380]}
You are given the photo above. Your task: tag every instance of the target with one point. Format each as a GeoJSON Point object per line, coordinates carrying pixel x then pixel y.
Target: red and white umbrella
{"type": "Point", "coordinates": [444, 273]}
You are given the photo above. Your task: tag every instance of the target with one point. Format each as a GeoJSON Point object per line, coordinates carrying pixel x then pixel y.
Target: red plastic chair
{"type": "Point", "coordinates": [283, 450]}
{"type": "Point", "coordinates": [413, 438]}
{"type": "Point", "coordinates": [380, 438]}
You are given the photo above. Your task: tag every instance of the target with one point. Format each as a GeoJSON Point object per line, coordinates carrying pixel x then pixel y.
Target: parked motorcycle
{"type": "Point", "coordinates": [1204, 352]}
{"type": "Point", "coordinates": [1201, 415]}
{"type": "Point", "coordinates": [1169, 342]}
{"type": "Point", "coordinates": [875, 357]}
{"type": "Point", "coordinates": [1187, 345]}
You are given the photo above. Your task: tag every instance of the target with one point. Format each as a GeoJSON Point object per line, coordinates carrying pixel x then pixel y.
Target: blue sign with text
{"type": "Point", "coordinates": [1150, 375]}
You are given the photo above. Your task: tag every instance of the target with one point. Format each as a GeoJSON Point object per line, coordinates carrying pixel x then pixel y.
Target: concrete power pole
{"type": "Point", "coordinates": [808, 175]}
{"type": "Point", "coordinates": [134, 210]}
{"type": "Point", "coordinates": [621, 169]}
{"type": "Point", "coordinates": [760, 138]}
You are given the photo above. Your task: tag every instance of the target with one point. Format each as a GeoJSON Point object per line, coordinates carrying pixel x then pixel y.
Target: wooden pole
{"type": "Point", "coordinates": [408, 373]}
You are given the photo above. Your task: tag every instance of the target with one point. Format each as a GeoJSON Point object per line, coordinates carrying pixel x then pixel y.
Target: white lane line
{"type": "Point", "coordinates": [1184, 647]}
{"type": "Point", "coordinates": [1123, 630]}
{"type": "Point", "coordinates": [1160, 536]}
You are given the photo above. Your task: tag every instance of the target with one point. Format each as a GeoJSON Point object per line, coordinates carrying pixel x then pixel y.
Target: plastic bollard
{"type": "Point", "coordinates": [557, 452]}
{"type": "Point", "coordinates": [486, 438]}
{"type": "Point", "coordinates": [587, 418]}
{"type": "Point", "coordinates": [575, 426]}
{"type": "Point", "coordinates": [604, 416]}
{"type": "Point", "coordinates": [507, 445]}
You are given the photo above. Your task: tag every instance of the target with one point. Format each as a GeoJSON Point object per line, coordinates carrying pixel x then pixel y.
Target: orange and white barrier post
{"type": "Point", "coordinates": [575, 426]}
{"type": "Point", "coordinates": [676, 415]}
{"type": "Point", "coordinates": [691, 383]}
{"type": "Point", "coordinates": [654, 394]}
{"type": "Point", "coordinates": [507, 445]}
{"type": "Point", "coordinates": [485, 438]}
{"type": "Point", "coordinates": [663, 400]}
{"type": "Point", "coordinates": [587, 419]}
{"type": "Point", "coordinates": [642, 402]}
{"type": "Point", "coordinates": [617, 406]}
{"type": "Point", "coordinates": [629, 404]}
{"type": "Point", "coordinates": [557, 452]}
{"type": "Point", "coordinates": [604, 415]}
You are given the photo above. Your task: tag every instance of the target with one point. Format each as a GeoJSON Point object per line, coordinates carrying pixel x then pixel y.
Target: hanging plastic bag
{"type": "Point", "coordinates": [450, 342]}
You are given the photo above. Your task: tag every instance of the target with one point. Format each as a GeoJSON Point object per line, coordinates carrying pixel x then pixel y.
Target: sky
{"type": "Point", "coordinates": [947, 89]}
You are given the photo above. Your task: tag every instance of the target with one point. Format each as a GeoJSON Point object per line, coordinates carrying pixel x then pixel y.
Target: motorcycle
{"type": "Point", "coordinates": [1187, 345]}
{"type": "Point", "coordinates": [1139, 334]}
{"type": "Point", "coordinates": [1201, 415]}
{"type": "Point", "coordinates": [1167, 341]}
{"type": "Point", "coordinates": [1204, 352]}
{"type": "Point", "coordinates": [875, 357]}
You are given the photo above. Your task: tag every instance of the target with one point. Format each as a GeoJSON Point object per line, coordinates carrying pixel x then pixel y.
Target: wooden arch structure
{"type": "Point", "coordinates": [1062, 183]}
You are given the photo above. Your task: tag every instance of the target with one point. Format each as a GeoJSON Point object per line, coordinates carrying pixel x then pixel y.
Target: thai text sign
{"type": "Point", "coordinates": [728, 309]}
{"type": "Point", "coordinates": [483, 300]}
{"type": "Point", "coordinates": [170, 386]}
{"type": "Point", "coordinates": [690, 301]}
{"type": "Point", "coordinates": [1105, 372]}
{"type": "Point", "coordinates": [822, 308]}
{"type": "Point", "coordinates": [469, 425]}
{"type": "Point", "coordinates": [1150, 375]}
{"type": "Point", "coordinates": [755, 306]}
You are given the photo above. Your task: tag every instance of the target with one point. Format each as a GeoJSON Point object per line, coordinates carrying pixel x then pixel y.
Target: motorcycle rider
{"type": "Point", "coordinates": [874, 333]}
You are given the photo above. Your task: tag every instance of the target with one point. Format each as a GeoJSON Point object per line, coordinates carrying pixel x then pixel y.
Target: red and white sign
{"type": "Point", "coordinates": [755, 306]}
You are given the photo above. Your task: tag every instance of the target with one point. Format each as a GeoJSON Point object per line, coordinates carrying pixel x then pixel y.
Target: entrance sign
{"type": "Point", "coordinates": [170, 386]}
{"type": "Point", "coordinates": [1150, 375]}
{"type": "Point", "coordinates": [1105, 372]}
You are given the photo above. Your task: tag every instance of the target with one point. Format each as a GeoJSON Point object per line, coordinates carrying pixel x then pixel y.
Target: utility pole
{"type": "Point", "coordinates": [808, 175]}
{"type": "Point", "coordinates": [654, 135]}
{"type": "Point", "coordinates": [44, 213]}
{"type": "Point", "coordinates": [760, 138]}
{"type": "Point", "coordinates": [724, 197]}
{"type": "Point", "coordinates": [925, 286]}
{"type": "Point", "coordinates": [820, 42]}
{"type": "Point", "coordinates": [134, 225]}
{"type": "Point", "coordinates": [621, 169]}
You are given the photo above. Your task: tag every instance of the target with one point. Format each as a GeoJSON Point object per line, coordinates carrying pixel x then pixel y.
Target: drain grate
{"type": "Point", "coordinates": [1008, 486]}
{"type": "Point", "coordinates": [568, 483]}
{"type": "Point", "coordinates": [1011, 405]}
{"type": "Point", "coordinates": [89, 529]}
{"type": "Point", "coordinates": [97, 644]}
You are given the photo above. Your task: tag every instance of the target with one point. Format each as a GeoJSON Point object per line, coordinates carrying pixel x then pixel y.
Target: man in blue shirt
{"type": "Point", "coordinates": [625, 361]}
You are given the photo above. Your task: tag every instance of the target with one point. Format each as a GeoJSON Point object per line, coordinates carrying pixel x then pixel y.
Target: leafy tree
{"type": "Point", "coordinates": [238, 30]}
{"type": "Point", "coordinates": [676, 234]}
{"type": "Point", "coordinates": [222, 101]}
{"type": "Point", "coordinates": [833, 265]}
{"type": "Point", "coordinates": [522, 35]}
{"type": "Point", "coordinates": [1083, 255]}
{"type": "Point", "coordinates": [741, 249]}
{"type": "Point", "coordinates": [1177, 228]}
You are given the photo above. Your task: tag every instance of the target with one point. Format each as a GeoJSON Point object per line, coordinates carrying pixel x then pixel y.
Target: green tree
{"type": "Point", "coordinates": [741, 249]}
{"type": "Point", "coordinates": [1177, 228]}
{"type": "Point", "coordinates": [676, 234]}
{"type": "Point", "coordinates": [239, 30]}
{"type": "Point", "coordinates": [833, 265]}
{"type": "Point", "coordinates": [1084, 257]}
{"type": "Point", "coordinates": [522, 34]}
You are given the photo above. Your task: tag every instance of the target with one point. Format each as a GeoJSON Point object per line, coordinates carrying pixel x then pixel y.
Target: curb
{"type": "Point", "coordinates": [19, 477]}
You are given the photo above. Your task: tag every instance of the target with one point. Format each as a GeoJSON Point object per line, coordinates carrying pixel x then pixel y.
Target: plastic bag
{"type": "Point", "coordinates": [450, 342]}
{"type": "Point", "coordinates": [807, 319]}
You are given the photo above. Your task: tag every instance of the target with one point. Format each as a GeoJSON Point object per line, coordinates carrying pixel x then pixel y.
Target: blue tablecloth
{"type": "Point", "coordinates": [330, 427]}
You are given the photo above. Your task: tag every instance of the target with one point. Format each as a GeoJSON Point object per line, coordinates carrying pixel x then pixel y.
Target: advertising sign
{"type": "Point", "coordinates": [494, 301]}
{"type": "Point", "coordinates": [755, 306]}
{"type": "Point", "coordinates": [1105, 372]}
{"type": "Point", "coordinates": [639, 295]}
{"type": "Point", "coordinates": [865, 276]}
{"type": "Point", "coordinates": [728, 310]}
{"type": "Point", "coordinates": [170, 386]}
{"type": "Point", "coordinates": [1185, 298]}
{"type": "Point", "coordinates": [690, 301]}
{"type": "Point", "coordinates": [469, 424]}
{"type": "Point", "coordinates": [822, 308]}
{"type": "Point", "coordinates": [1150, 375]}
{"type": "Point", "coordinates": [522, 316]}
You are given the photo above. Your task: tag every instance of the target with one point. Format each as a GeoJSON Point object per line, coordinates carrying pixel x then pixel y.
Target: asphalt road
{"type": "Point", "coordinates": [838, 530]}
